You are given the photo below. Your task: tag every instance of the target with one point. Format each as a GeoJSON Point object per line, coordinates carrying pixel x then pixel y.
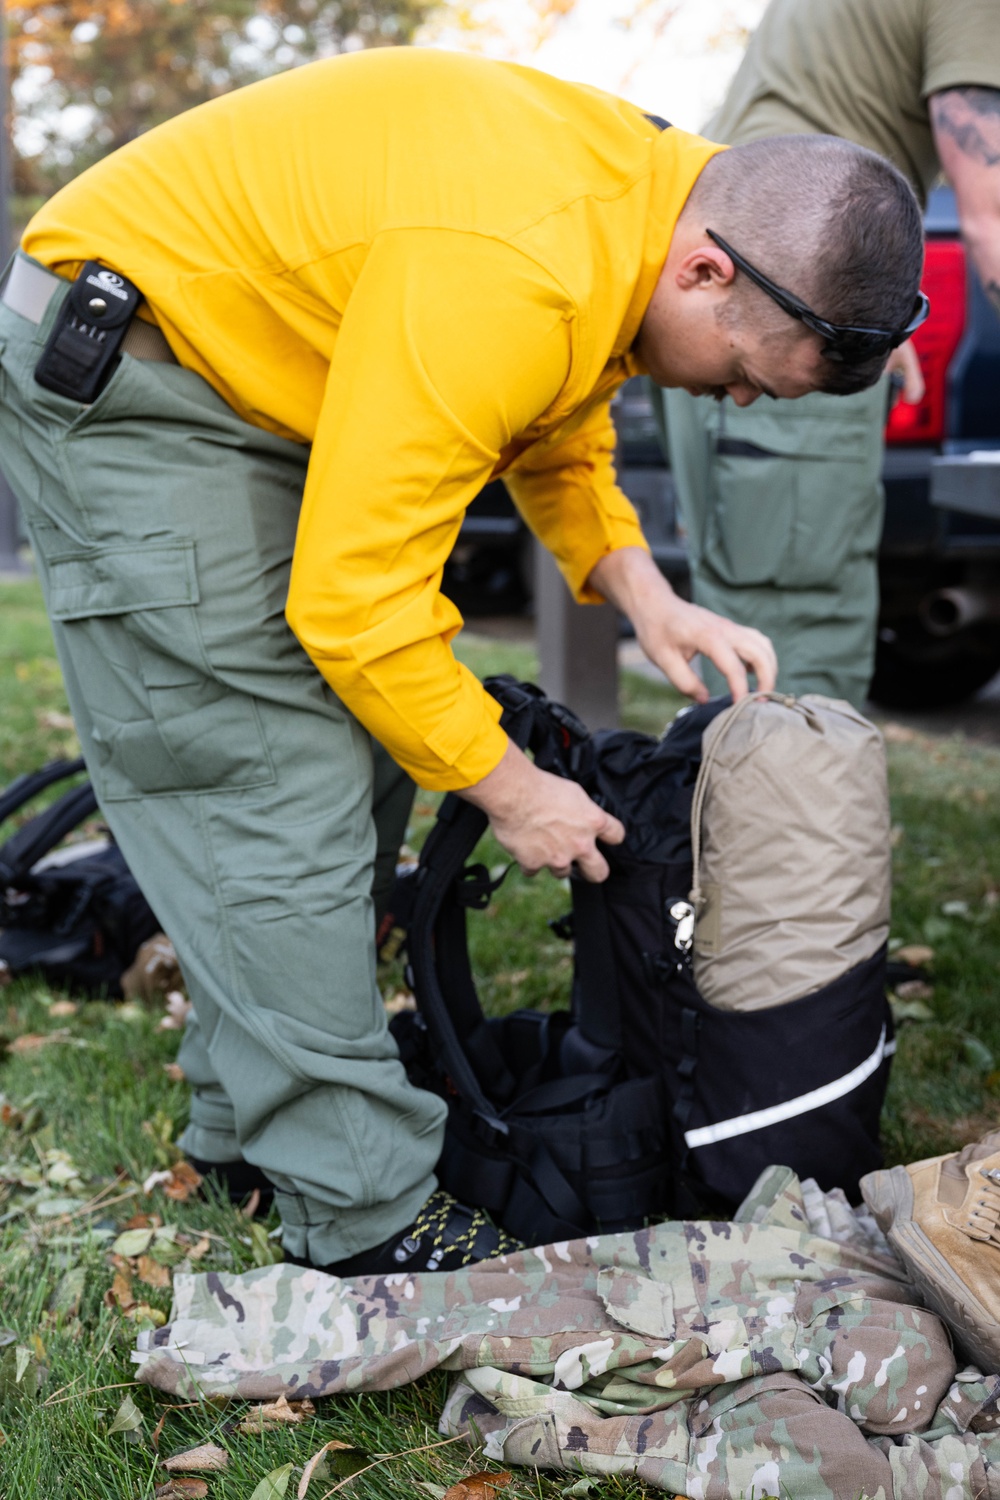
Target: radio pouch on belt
{"type": "Point", "coordinates": [82, 349]}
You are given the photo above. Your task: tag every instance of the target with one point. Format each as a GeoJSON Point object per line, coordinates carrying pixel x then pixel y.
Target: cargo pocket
{"type": "Point", "coordinates": [793, 496]}
{"type": "Point", "coordinates": [158, 719]}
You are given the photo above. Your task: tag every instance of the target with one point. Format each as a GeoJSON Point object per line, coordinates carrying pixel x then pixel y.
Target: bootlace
{"type": "Point", "coordinates": [454, 1230]}
{"type": "Point", "coordinates": [983, 1222]}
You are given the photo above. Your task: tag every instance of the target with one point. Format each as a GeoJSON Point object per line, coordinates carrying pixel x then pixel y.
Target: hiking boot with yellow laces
{"type": "Point", "coordinates": [445, 1236]}
{"type": "Point", "coordinates": [942, 1217]}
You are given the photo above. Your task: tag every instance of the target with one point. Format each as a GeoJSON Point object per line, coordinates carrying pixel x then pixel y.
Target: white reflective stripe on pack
{"type": "Point", "coordinates": [758, 1119]}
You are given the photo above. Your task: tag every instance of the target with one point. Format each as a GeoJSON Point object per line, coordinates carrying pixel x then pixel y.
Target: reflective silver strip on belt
{"type": "Point", "coordinates": [30, 289]}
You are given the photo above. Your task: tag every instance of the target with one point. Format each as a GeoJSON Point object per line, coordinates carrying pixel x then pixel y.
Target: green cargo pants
{"type": "Point", "coordinates": [782, 502]}
{"type": "Point", "coordinates": [240, 789]}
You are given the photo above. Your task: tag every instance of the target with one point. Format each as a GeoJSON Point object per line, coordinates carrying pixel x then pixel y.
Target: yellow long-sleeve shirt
{"type": "Point", "coordinates": [432, 268]}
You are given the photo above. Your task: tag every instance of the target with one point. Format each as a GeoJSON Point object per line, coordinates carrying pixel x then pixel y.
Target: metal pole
{"type": "Point", "coordinates": [10, 560]}
{"type": "Point", "coordinates": [577, 647]}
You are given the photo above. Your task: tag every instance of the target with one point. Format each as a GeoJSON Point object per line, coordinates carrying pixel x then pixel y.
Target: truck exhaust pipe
{"type": "Point", "coordinates": [945, 612]}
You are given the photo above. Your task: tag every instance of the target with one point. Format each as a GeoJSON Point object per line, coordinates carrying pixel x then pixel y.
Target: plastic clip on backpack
{"type": "Point", "coordinates": [75, 915]}
{"type": "Point", "coordinates": [652, 1095]}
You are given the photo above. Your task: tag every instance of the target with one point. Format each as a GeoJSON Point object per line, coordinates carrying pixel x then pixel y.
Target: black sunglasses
{"type": "Point", "coordinates": [844, 344]}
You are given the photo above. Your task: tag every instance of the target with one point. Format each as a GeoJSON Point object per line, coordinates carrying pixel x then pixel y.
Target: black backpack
{"type": "Point", "coordinates": [604, 1117]}
{"type": "Point", "coordinates": [75, 916]}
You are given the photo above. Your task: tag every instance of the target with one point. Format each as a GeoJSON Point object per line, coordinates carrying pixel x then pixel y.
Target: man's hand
{"type": "Point", "coordinates": [544, 821]}
{"type": "Point", "coordinates": [905, 362]}
{"type": "Point", "coordinates": [671, 631]}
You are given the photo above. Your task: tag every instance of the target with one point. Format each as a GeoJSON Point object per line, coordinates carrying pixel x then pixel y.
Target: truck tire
{"type": "Point", "coordinates": [914, 669]}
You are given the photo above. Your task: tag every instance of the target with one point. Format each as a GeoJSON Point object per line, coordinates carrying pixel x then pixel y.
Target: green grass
{"type": "Point", "coordinates": [90, 1116]}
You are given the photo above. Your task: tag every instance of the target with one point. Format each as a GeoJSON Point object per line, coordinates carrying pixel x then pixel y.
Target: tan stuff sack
{"type": "Point", "coordinates": [790, 841]}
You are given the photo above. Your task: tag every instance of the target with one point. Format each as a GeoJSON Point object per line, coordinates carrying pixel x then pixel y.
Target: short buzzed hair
{"type": "Point", "coordinates": [827, 220]}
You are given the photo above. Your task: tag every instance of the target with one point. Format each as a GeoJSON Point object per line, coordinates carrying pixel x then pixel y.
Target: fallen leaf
{"type": "Point", "coordinates": [184, 1182]}
{"type": "Point", "coordinates": [143, 1221]}
{"type": "Point", "coordinates": [128, 1417]}
{"type": "Point", "coordinates": [914, 989]}
{"type": "Point", "coordinates": [202, 1248]}
{"type": "Point", "coordinates": [68, 1293]}
{"type": "Point", "coordinates": [32, 1040]}
{"type": "Point", "coordinates": [915, 954]}
{"type": "Point", "coordinates": [250, 1207]}
{"type": "Point", "coordinates": [120, 1294]}
{"type": "Point", "coordinates": [133, 1242]}
{"type": "Point", "coordinates": [174, 1072]}
{"type": "Point", "coordinates": [53, 719]}
{"type": "Point", "coordinates": [276, 1414]}
{"type": "Point", "coordinates": [910, 1010]}
{"type": "Point", "coordinates": [206, 1456]}
{"type": "Point", "coordinates": [578, 1491]}
{"type": "Point", "coordinates": [402, 1000]}
{"type": "Point", "coordinates": [273, 1485]}
{"type": "Point", "coordinates": [182, 1489]}
{"type": "Point", "coordinates": [152, 1272]}
{"type": "Point", "coordinates": [63, 1008]}
{"type": "Point", "coordinates": [898, 734]}
{"type": "Point", "coordinates": [157, 1431]}
{"type": "Point", "coordinates": [141, 1312]}
{"type": "Point", "coordinates": [333, 1446]}
{"type": "Point", "coordinates": [482, 1486]}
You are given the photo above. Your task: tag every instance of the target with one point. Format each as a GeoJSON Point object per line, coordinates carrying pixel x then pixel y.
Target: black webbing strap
{"type": "Point", "coordinates": [560, 1196]}
{"type": "Point", "coordinates": [596, 1002]}
{"type": "Point", "coordinates": [25, 787]}
{"type": "Point", "coordinates": [44, 832]}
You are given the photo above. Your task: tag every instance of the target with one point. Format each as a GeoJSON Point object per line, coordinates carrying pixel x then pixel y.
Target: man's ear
{"type": "Point", "coordinates": [704, 268]}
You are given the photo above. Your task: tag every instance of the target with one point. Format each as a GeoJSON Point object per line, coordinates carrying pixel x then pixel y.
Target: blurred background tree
{"type": "Point", "coordinates": [89, 75]}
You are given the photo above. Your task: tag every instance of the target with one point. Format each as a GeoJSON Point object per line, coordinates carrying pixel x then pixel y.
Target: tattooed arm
{"type": "Point", "coordinates": [966, 124]}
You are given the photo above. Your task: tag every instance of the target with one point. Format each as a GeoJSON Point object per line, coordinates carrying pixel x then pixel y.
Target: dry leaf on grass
{"type": "Point", "coordinates": [250, 1207]}
{"type": "Point", "coordinates": [51, 718]}
{"type": "Point", "coordinates": [402, 1000]}
{"type": "Point", "coordinates": [206, 1456]}
{"type": "Point", "coordinates": [174, 1072]}
{"type": "Point", "coordinates": [480, 1486]}
{"type": "Point", "coordinates": [915, 954]}
{"type": "Point", "coordinates": [914, 989]}
{"type": "Point", "coordinates": [184, 1182]}
{"type": "Point", "coordinates": [333, 1446]}
{"type": "Point", "coordinates": [278, 1413]}
{"type": "Point", "coordinates": [898, 734]}
{"type": "Point", "coordinates": [152, 1272]}
{"type": "Point", "coordinates": [63, 1008]}
{"type": "Point", "coordinates": [32, 1040]}
{"type": "Point", "coordinates": [181, 1489]}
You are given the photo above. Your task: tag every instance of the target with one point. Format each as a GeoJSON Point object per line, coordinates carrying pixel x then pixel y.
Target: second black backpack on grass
{"type": "Point", "coordinates": [71, 913]}
{"type": "Point", "coordinates": [645, 1099]}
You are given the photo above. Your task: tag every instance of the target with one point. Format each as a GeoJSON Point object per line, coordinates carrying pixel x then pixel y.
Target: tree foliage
{"type": "Point", "coordinates": [90, 75]}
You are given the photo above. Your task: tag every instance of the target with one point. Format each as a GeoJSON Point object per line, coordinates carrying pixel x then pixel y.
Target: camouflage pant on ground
{"type": "Point", "coordinates": [782, 1353]}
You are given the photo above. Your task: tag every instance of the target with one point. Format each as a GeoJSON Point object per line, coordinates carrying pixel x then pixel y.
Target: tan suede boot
{"type": "Point", "coordinates": [942, 1217]}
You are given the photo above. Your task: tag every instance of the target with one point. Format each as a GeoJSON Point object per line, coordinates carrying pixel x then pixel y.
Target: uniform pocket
{"type": "Point", "coordinates": [161, 721]}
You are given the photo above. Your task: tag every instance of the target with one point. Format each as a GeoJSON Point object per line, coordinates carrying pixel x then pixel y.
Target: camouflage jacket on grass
{"type": "Point", "coordinates": [781, 1353]}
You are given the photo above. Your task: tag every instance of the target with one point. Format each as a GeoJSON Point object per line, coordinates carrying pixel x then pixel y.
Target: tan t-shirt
{"type": "Point", "coordinates": [861, 69]}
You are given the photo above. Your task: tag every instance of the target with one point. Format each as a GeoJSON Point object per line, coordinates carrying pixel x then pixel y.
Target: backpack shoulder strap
{"type": "Point", "coordinates": [25, 787]}
{"type": "Point", "coordinates": [43, 832]}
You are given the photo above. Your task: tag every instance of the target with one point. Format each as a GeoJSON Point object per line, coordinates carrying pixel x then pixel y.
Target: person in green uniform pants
{"type": "Point", "coordinates": [783, 503]}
